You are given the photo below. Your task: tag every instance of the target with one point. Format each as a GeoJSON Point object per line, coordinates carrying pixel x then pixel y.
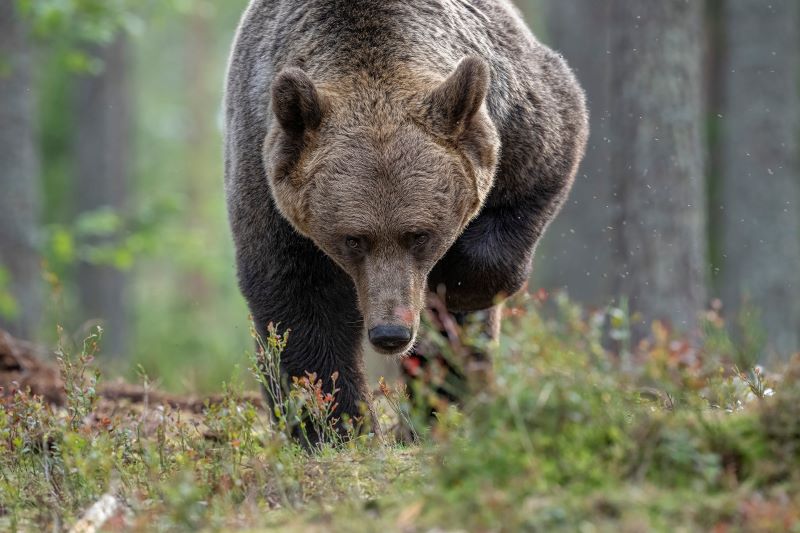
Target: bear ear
{"type": "Point", "coordinates": [296, 102]}
{"type": "Point", "coordinates": [458, 99]}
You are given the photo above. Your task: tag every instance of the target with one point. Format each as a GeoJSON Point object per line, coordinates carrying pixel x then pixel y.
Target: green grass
{"type": "Point", "coordinates": [567, 437]}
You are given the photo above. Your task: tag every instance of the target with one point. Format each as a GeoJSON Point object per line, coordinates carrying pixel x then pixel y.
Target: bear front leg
{"type": "Point", "coordinates": [298, 289]}
{"type": "Point", "coordinates": [435, 378]}
{"type": "Point", "coordinates": [488, 263]}
{"type": "Point", "coordinates": [481, 334]}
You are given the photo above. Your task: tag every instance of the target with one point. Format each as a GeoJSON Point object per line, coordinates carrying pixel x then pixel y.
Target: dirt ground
{"type": "Point", "coordinates": [26, 366]}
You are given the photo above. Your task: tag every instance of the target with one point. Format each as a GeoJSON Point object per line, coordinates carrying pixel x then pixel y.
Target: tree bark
{"type": "Point", "coordinates": [760, 199]}
{"type": "Point", "coordinates": [658, 156]}
{"type": "Point", "coordinates": [577, 252]}
{"type": "Point", "coordinates": [19, 174]}
{"type": "Point", "coordinates": [102, 139]}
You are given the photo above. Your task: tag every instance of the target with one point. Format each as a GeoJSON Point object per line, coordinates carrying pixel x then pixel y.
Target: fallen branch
{"type": "Point", "coordinates": [23, 366]}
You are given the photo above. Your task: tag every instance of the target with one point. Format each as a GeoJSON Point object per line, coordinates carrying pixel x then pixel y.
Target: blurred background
{"type": "Point", "coordinates": [112, 209]}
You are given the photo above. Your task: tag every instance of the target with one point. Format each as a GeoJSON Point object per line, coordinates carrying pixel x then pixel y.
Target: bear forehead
{"type": "Point", "coordinates": [387, 180]}
{"type": "Point", "coordinates": [381, 220]}
{"type": "Point", "coordinates": [380, 153]}
{"type": "Point", "coordinates": [374, 203]}
{"type": "Point", "coordinates": [365, 188]}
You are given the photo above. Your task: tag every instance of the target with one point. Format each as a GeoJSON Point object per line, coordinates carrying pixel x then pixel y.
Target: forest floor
{"type": "Point", "coordinates": [666, 436]}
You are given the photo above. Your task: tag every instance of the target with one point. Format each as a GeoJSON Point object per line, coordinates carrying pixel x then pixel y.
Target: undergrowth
{"type": "Point", "coordinates": [570, 434]}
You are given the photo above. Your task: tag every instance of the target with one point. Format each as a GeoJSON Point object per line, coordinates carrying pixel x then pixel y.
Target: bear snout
{"type": "Point", "coordinates": [390, 338]}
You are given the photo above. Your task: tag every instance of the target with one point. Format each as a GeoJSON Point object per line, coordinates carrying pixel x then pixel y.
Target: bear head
{"type": "Point", "coordinates": [382, 180]}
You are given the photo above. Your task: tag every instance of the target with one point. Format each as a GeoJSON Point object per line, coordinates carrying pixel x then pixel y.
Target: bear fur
{"type": "Point", "coordinates": [376, 150]}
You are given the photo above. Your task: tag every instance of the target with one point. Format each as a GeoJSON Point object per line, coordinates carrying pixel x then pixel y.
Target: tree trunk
{"type": "Point", "coordinates": [658, 156]}
{"type": "Point", "coordinates": [760, 198]}
{"type": "Point", "coordinates": [200, 103]}
{"type": "Point", "coordinates": [19, 175]}
{"type": "Point", "coordinates": [102, 139]}
{"type": "Point", "coordinates": [577, 252]}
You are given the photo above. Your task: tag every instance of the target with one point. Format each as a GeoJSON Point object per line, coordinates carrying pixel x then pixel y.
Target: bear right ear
{"type": "Point", "coordinates": [453, 104]}
{"type": "Point", "coordinates": [296, 102]}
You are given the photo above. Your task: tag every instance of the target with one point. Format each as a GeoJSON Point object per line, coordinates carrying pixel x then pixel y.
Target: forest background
{"type": "Point", "coordinates": [111, 199]}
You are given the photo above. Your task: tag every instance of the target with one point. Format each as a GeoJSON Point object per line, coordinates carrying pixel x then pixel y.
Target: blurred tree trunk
{"type": "Point", "coordinates": [201, 105]}
{"type": "Point", "coordinates": [760, 170]}
{"type": "Point", "coordinates": [577, 252]}
{"type": "Point", "coordinates": [658, 156]}
{"type": "Point", "coordinates": [715, 78]}
{"type": "Point", "coordinates": [102, 142]}
{"type": "Point", "coordinates": [19, 175]}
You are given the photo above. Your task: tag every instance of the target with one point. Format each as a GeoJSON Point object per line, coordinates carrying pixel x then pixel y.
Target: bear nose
{"type": "Point", "coordinates": [390, 337]}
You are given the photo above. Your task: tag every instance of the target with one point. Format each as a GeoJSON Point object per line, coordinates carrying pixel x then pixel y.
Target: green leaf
{"type": "Point", "coordinates": [62, 245]}
{"type": "Point", "coordinates": [102, 222]}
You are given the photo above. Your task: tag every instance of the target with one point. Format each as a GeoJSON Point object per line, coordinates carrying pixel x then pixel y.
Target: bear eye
{"type": "Point", "coordinates": [421, 239]}
{"type": "Point", "coordinates": [353, 243]}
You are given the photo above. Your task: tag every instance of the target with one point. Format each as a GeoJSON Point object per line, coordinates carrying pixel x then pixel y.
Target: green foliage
{"type": "Point", "coordinates": [571, 438]}
{"type": "Point", "coordinates": [92, 21]}
{"type": "Point", "coordinates": [105, 237]}
{"type": "Point", "coordinates": [184, 291]}
{"type": "Point", "coordinates": [173, 239]}
{"type": "Point", "coordinates": [69, 28]}
{"type": "Point", "coordinates": [563, 439]}
{"type": "Point", "coordinates": [780, 423]}
{"type": "Point", "coordinates": [8, 304]}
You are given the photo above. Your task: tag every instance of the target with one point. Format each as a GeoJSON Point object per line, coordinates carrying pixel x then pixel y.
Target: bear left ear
{"type": "Point", "coordinates": [296, 102]}
{"type": "Point", "coordinates": [299, 108]}
{"type": "Point", "coordinates": [458, 99]}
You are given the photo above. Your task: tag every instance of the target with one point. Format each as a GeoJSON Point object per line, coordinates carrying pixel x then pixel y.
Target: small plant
{"type": "Point", "coordinates": [315, 410]}
{"type": "Point", "coordinates": [266, 367]}
{"type": "Point", "coordinates": [399, 402]}
{"type": "Point", "coordinates": [304, 408]}
{"type": "Point", "coordinates": [620, 331]}
{"type": "Point", "coordinates": [80, 378]}
{"type": "Point", "coordinates": [756, 381]}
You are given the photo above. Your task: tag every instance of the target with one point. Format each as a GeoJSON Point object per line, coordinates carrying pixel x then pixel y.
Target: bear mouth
{"type": "Point", "coordinates": [399, 353]}
{"type": "Point", "coordinates": [399, 348]}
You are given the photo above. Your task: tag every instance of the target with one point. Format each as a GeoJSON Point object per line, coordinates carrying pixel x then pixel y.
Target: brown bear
{"type": "Point", "coordinates": [377, 150]}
